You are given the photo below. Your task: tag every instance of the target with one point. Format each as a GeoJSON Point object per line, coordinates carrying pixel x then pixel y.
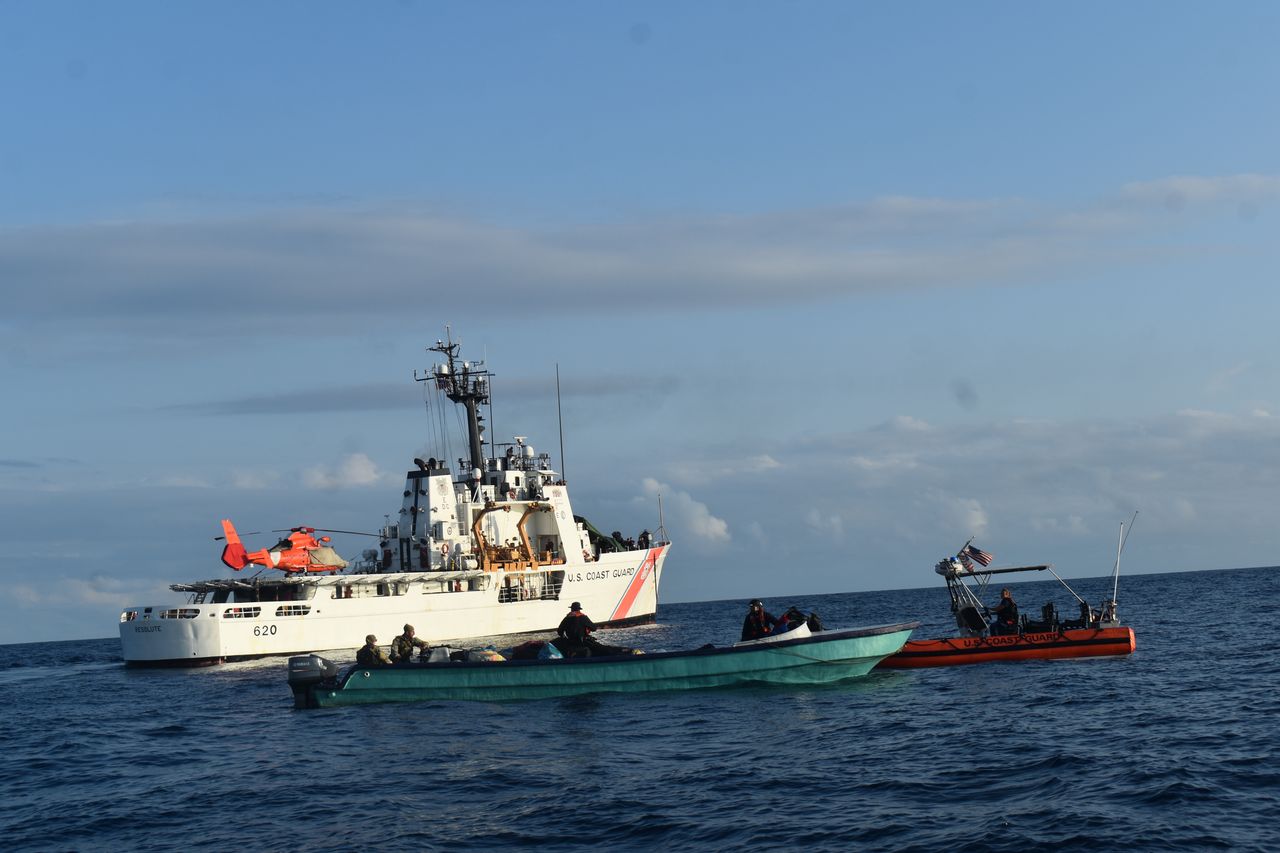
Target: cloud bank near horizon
{"type": "Point", "coordinates": [240, 273]}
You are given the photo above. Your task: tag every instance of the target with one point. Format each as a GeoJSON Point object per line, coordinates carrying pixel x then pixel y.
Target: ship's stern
{"type": "Point", "coordinates": [170, 636]}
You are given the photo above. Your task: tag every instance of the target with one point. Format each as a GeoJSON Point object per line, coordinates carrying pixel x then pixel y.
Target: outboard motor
{"type": "Point", "coordinates": [307, 672]}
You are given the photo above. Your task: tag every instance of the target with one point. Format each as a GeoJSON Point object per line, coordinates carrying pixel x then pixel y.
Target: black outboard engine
{"type": "Point", "coordinates": [306, 673]}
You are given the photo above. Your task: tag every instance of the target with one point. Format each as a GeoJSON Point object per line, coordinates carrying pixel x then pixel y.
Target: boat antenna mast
{"type": "Point", "coordinates": [467, 384]}
{"type": "Point", "coordinates": [560, 417]}
{"type": "Point", "coordinates": [1109, 607]}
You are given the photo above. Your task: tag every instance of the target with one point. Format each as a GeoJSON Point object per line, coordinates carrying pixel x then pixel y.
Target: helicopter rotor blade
{"type": "Point", "coordinates": [254, 533]}
{"type": "Point", "coordinates": [324, 530]}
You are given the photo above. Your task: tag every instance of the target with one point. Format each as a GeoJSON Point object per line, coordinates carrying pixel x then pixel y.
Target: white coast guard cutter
{"type": "Point", "coordinates": [492, 548]}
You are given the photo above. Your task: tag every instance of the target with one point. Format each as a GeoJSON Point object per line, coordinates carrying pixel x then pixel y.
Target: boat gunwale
{"type": "Point", "coordinates": [1110, 641]}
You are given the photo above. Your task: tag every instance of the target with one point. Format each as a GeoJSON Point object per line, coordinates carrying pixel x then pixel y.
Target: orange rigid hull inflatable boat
{"type": "Point", "coordinates": [1012, 636]}
{"type": "Point", "coordinates": [953, 651]}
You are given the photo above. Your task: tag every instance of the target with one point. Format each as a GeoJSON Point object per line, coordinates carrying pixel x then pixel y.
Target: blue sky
{"type": "Point", "coordinates": [846, 283]}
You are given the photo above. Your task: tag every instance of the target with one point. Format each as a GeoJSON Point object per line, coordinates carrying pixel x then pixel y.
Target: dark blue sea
{"type": "Point", "coordinates": [1173, 748]}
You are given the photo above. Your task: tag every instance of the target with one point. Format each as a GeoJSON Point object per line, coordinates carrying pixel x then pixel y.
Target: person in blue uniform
{"type": "Point", "coordinates": [759, 622]}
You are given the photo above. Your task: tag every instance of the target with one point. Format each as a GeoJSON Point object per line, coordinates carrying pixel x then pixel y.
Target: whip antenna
{"type": "Point", "coordinates": [560, 417]}
{"type": "Point", "coordinates": [1124, 537]}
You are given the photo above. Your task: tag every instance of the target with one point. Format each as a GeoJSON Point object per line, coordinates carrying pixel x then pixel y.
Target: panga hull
{"type": "Point", "coordinates": [825, 657]}
{"type": "Point", "coordinates": [953, 651]}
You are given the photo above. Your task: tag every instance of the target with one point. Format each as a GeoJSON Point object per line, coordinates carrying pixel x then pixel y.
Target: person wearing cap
{"type": "Point", "coordinates": [759, 622]}
{"type": "Point", "coordinates": [402, 646]}
{"type": "Point", "coordinates": [573, 636]}
{"type": "Point", "coordinates": [370, 654]}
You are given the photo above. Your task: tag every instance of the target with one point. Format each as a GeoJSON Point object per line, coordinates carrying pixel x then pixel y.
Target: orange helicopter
{"type": "Point", "coordinates": [300, 551]}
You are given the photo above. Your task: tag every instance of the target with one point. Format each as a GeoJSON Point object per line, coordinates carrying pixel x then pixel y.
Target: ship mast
{"type": "Point", "coordinates": [466, 383]}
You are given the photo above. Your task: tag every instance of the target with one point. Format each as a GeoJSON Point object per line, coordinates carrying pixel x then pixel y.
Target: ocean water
{"type": "Point", "coordinates": [1173, 748]}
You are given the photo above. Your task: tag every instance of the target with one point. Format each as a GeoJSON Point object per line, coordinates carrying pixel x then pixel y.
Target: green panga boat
{"type": "Point", "coordinates": [817, 659]}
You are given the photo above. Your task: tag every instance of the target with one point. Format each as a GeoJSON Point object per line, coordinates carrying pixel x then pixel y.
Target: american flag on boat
{"type": "Point", "coordinates": [977, 554]}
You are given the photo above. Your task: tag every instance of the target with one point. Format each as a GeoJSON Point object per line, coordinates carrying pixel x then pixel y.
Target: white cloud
{"type": "Point", "coordinates": [1040, 484]}
{"type": "Point", "coordinates": [178, 481]}
{"type": "Point", "coordinates": [1179, 191]}
{"type": "Point", "coordinates": [356, 470]}
{"type": "Point", "coordinates": [253, 480]}
{"type": "Point", "coordinates": [129, 273]}
{"type": "Point", "coordinates": [95, 590]}
{"type": "Point", "coordinates": [906, 423]}
{"type": "Point", "coordinates": [688, 515]}
{"type": "Point", "coordinates": [26, 595]}
{"type": "Point", "coordinates": [1072, 525]}
{"type": "Point", "coordinates": [1224, 379]}
{"type": "Point", "coordinates": [965, 513]}
{"type": "Point", "coordinates": [831, 526]}
{"type": "Point", "coordinates": [887, 462]}
{"type": "Point", "coordinates": [703, 472]}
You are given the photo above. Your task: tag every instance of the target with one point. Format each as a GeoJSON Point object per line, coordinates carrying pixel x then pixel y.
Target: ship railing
{"type": "Point", "coordinates": [531, 586]}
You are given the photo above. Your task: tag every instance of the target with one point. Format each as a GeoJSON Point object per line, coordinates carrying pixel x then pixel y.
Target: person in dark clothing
{"type": "Point", "coordinates": [1006, 613]}
{"type": "Point", "coordinates": [370, 654]}
{"type": "Point", "coordinates": [573, 636]}
{"type": "Point", "coordinates": [402, 646]}
{"type": "Point", "coordinates": [759, 622]}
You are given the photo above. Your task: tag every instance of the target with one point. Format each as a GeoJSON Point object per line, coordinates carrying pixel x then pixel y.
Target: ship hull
{"type": "Point", "coordinates": [618, 589]}
{"type": "Point", "coordinates": [1053, 645]}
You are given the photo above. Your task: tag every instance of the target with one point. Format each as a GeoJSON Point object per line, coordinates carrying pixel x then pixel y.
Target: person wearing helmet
{"type": "Point", "coordinates": [759, 622]}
